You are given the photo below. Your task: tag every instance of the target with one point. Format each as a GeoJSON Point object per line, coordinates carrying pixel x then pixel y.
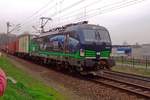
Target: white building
{"type": "Point", "coordinates": [139, 51]}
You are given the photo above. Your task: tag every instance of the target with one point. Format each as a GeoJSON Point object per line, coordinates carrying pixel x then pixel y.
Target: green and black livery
{"type": "Point", "coordinates": [78, 47]}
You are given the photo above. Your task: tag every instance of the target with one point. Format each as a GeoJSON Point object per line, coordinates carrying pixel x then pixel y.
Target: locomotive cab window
{"type": "Point", "coordinates": [74, 35]}
{"type": "Point", "coordinates": [57, 42]}
{"type": "Point", "coordinates": [73, 41]}
{"type": "Point", "coordinates": [52, 43]}
{"type": "Point", "coordinates": [42, 43]}
{"type": "Point", "coordinates": [91, 35]}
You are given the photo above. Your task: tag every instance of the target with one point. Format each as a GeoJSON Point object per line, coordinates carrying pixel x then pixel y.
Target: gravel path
{"type": "Point", "coordinates": [72, 87]}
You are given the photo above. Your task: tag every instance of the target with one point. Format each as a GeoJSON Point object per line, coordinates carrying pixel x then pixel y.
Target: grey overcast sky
{"type": "Point", "coordinates": [130, 23]}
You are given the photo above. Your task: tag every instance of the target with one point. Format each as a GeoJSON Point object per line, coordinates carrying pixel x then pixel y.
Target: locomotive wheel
{"type": "Point", "coordinates": [70, 69]}
{"type": "Point", "coordinates": [79, 69]}
{"type": "Point", "coordinates": [102, 67]}
{"type": "Point", "coordinates": [108, 68]}
{"type": "Point", "coordinates": [58, 67]}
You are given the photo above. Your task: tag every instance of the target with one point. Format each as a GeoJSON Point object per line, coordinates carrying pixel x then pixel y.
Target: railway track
{"type": "Point", "coordinates": [135, 84]}
{"type": "Point", "coordinates": [127, 75]}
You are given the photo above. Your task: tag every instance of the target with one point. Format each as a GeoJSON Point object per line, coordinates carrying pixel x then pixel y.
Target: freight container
{"type": "Point", "coordinates": [17, 45]}
{"type": "Point", "coordinates": [23, 43]}
{"type": "Point", "coordinates": [11, 47]}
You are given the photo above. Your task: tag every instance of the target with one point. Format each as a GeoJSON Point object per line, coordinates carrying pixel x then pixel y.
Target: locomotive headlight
{"type": "Point", "coordinates": [98, 53]}
{"type": "Point", "coordinates": [82, 52]}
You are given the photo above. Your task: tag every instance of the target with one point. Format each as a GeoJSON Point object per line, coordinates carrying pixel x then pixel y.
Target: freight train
{"type": "Point", "coordinates": [78, 47]}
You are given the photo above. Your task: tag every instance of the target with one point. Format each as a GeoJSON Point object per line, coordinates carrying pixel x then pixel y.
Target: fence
{"type": "Point", "coordinates": [143, 62]}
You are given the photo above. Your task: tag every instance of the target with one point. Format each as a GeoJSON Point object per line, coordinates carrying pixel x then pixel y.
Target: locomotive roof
{"type": "Point", "coordinates": [74, 27]}
{"type": "Point", "coordinates": [85, 26]}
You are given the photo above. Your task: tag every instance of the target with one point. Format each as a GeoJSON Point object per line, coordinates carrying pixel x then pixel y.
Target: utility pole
{"type": "Point", "coordinates": [44, 21]}
{"type": "Point", "coordinates": [8, 26]}
{"type": "Point", "coordinates": [7, 41]}
{"type": "Point", "coordinates": [9, 31]}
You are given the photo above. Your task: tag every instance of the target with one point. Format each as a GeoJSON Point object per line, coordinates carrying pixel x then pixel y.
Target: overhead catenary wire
{"type": "Point", "coordinates": [103, 11]}
{"type": "Point", "coordinates": [56, 13]}
{"type": "Point", "coordinates": [66, 17]}
{"type": "Point", "coordinates": [117, 7]}
{"type": "Point", "coordinates": [36, 12]}
{"type": "Point", "coordinates": [103, 7]}
{"type": "Point", "coordinates": [68, 7]}
{"type": "Point", "coordinates": [109, 7]}
{"type": "Point", "coordinates": [23, 22]}
{"type": "Point", "coordinates": [55, 5]}
{"type": "Point", "coordinates": [91, 4]}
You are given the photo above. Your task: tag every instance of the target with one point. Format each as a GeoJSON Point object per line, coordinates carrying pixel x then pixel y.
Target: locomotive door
{"type": "Point", "coordinates": [66, 42]}
{"type": "Point", "coordinates": [71, 42]}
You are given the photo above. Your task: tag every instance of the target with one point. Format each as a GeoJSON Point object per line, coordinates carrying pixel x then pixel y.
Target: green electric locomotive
{"type": "Point", "coordinates": [78, 47]}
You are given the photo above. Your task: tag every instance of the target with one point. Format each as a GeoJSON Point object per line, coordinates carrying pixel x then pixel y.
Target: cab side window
{"type": "Point", "coordinates": [42, 43]}
{"type": "Point", "coordinates": [58, 42]}
{"type": "Point", "coordinates": [73, 42]}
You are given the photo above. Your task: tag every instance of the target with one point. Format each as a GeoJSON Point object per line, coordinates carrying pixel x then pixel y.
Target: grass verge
{"type": "Point", "coordinates": [26, 88]}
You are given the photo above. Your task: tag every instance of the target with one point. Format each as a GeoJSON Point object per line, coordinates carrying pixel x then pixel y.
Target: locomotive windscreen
{"type": "Point", "coordinates": [91, 35]}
